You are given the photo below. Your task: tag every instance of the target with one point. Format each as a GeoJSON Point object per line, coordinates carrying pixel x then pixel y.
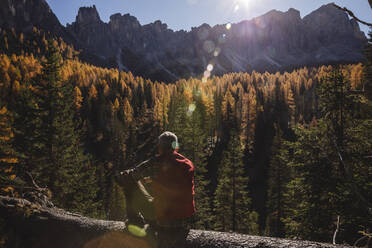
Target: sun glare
{"type": "Point", "coordinates": [240, 5]}
{"type": "Point", "coordinates": [244, 2]}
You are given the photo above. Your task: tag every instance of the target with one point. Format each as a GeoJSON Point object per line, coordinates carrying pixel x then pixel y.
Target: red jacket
{"type": "Point", "coordinates": [173, 188]}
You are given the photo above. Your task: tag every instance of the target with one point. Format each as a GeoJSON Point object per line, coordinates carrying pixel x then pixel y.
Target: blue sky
{"type": "Point", "coordinates": [184, 14]}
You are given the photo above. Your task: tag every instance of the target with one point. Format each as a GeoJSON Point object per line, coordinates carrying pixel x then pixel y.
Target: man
{"type": "Point", "coordinates": [171, 205]}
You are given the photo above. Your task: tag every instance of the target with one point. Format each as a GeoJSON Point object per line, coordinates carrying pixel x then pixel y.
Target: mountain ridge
{"type": "Point", "coordinates": [275, 41]}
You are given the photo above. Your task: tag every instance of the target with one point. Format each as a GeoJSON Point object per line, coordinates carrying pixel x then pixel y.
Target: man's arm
{"type": "Point", "coordinates": [143, 170]}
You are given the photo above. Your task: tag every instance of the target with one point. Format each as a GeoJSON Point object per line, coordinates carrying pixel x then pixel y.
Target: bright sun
{"type": "Point", "coordinates": [241, 4]}
{"type": "Point", "coordinates": [244, 1]}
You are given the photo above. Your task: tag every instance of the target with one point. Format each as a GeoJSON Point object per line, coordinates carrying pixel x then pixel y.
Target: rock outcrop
{"type": "Point", "coordinates": [23, 15]}
{"type": "Point", "coordinates": [274, 41]}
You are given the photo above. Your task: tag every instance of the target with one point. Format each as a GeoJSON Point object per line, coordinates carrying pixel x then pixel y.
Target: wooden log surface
{"type": "Point", "coordinates": [36, 225]}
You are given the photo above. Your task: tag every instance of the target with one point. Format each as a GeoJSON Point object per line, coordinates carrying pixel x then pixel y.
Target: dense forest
{"type": "Point", "coordinates": [284, 154]}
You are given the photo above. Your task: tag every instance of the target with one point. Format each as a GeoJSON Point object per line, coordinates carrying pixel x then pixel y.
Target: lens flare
{"type": "Point", "coordinates": [228, 26]}
{"type": "Point", "coordinates": [217, 51]}
{"type": "Point", "coordinates": [137, 231]}
{"type": "Point", "coordinates": [207, 74]}
{"type": "Point", "coordinates": [222, 39]}
{"type": "Point", "coordinates": [192, 107]}
{"type": "Point", "coordinates": [210, 67]}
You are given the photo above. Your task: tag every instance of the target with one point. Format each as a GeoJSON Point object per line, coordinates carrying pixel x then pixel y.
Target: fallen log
{"type": "Point", "coordinates": [36, 225]}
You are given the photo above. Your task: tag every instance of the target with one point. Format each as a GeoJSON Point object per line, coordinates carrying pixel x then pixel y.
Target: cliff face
{"type": "Point", "coordinates": [275, 41]}
{"type": "Point", "coordinates": [23, 15]}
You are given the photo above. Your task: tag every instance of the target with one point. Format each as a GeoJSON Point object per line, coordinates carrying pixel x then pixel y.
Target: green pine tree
{"type": "Point", "coordinates": [278, 177]}
{"type": "Point", "coordinates": [55, 156]}
{"type": "Point", "coordinates": [308, 208]}
{"type": "Point", "coordinates": [27, 127]}
{"type": "Point", "coordinates": [194, 138]}
{"type": "Point", "coordinates": [231, 201]}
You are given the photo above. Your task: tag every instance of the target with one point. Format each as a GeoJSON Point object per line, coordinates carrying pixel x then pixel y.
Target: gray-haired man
{"type": "Point", "coordinates": [171, 203]}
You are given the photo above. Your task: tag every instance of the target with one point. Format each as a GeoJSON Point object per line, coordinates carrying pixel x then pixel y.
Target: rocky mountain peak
{"type": "Point", "coordinates": [122, 22]}
{"type": "Point", "coordinates": [88, 15]}
{"type": "Point", "coordinates": [271, 14]}
{"type": "Point", "coordinates": [294, 13]}
{"type": "Point", "coordinates": [333, 25]}
{"type": "Point", "coordinates": [157, 27]}
{"type": "Point", "coordinates": [23, 15]}
{"type": "Point", "coordinates": [275, 16]}
{"type": "Point", "coordinates": [123, 18]}
{"type": "Point", "coordinates": [327, 12]}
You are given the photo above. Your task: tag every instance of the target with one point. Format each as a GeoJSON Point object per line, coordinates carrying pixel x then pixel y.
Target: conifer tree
{"type": "Point", "coordinates": [231, 201]}
{"type": "Point", "coordinates": [115, 145]}
{"type": "Point", "coordinates": [8, 157]}
{"type": "Point", "coordinates": [291, 108]}
{"type": "Point", "coordinates": [178, 114]}
{"type": "Point", "coordinates": [194, 138]}
{"type": "Point", "coordinates": [27, 133]}
{"type": "Point", "coordinates": [308, 208]}
{"type": "Point", "coordinates": [56, 150]}
{"type": "Point", "coordinates": [277, 180]}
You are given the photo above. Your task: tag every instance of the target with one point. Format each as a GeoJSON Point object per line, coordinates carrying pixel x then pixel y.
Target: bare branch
{"type": "Point", "coordinates": [349, 177]}
{"type": "Point", "coordinates": [32, 180]}
{"type": "Point", "coordinates": [337, 229]}
{"type": "Point", "coordinates": [352, 14]}
{"type": "Point", "coordinates": [360, 240]}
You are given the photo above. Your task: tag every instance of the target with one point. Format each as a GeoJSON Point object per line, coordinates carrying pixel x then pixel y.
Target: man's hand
{"type": "Point", "coordinates": [123, 176]}
{"type": "Point", "coordinates": [126, 172]}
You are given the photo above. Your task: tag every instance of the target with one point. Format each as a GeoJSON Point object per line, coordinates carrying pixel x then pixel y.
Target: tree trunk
{"type": "Point", "coordinates": [36, 225]}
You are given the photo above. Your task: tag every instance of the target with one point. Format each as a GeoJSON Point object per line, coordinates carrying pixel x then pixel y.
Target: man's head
{"type": "Point", "coordinates": [167, 143]}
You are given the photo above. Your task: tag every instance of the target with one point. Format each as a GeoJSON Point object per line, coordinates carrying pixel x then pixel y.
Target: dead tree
{"type": "Point", "coordinates": [36, 224]}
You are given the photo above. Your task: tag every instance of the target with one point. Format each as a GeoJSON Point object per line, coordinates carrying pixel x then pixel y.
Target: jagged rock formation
{"type": "Point", "coordinates": [23, 15]}
{"type": "Point", "coordinates": [41, 226]}
{"type": "Point", "coordinates": [275, 41]}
